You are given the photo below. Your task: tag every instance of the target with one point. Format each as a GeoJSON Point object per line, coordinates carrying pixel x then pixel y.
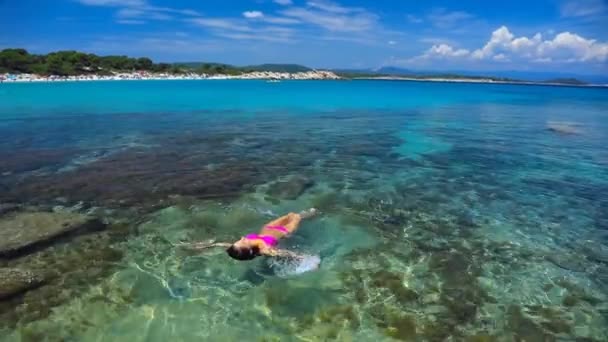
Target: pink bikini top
{"type": "Point", "coordinates": [267, 239]}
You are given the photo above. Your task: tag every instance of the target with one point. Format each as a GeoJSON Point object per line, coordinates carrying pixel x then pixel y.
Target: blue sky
{"type": "Point", "coordinates": [540, 35]}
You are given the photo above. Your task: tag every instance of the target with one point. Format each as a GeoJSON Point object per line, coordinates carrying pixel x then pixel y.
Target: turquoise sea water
{"type": "Point", "coordinates": [449, 211]}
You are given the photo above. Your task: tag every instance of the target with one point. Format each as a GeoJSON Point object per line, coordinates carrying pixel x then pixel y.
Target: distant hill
{"type": "Point", "coordinates": [388, 70]}
{"type": "Point", "coordinates": [290, 68]}
{"type": "Point", "coordinates": [394, 71]}
{"type": "Point", "coordinates": [505, 76]}
{"type": "Point", "coordinates": [548, 75]}
{"type": "Point", "coordinates": [572, 81]}
{"type": "Point", "coordinates": [535, 76]}
{"type": "Point", "coordinates": [195, 65]}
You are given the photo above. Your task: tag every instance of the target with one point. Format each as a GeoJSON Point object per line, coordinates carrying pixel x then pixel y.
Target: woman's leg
{"type": "Point", "coordinates": [281, 221]}
{"type": "Point", "coordinates": [291, 221]}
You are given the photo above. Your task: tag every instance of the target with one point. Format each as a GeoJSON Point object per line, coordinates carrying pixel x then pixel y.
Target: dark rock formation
{"type": "Point", "coordinates": [290, 188]}
{"type": "Point", "coordinates": [14, 281]}
{"type": "Point", "coordinates": [7, 208]}
{"type": "Point", "coordinates": [568, 262]}
{"type": "Point", "coordinates": [21, 231]}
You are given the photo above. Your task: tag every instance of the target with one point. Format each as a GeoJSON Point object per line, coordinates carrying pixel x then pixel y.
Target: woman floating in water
{"type": "Point", "coordinates": [265, 242]}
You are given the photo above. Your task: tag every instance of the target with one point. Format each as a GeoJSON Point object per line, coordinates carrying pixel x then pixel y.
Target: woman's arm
{"type": "Point", "coordinates": [204, 244]}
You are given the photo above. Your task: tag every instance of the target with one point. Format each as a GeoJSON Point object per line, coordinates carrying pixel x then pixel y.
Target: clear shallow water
{"type": "Point", "coordinates": [449, 210]}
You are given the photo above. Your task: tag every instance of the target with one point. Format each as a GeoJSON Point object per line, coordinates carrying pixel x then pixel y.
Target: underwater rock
{"type": "Point", "coordinates": [290, 304]}
{"type": "Point", "coordinates": [23, 230]}
{"type": "Point", "coordinates": [601, 276]}
{"type": "Point", "coordinates": [576, 293]}
{"type": "Point", "coordinates": [291, 187]}
{"type": "Point", "coordinates": [552, 319]}
{"type": "Point", "coordinates": [339, 315]}
{"type": "Point", "coordinates": [595, 251]}
{"type": "Point", "coordinates": [151, 178]}
{"type": "Point", "coordinates": [395, 324]}
{"type": "Point", "coordinates": [6, 208]}
{"type": "Point", "coordinates": [15, 281]}
{"type": "Point", "coordinates": [30, 160]}
{"type": "Point", "coordinates": [394, 283]}
{"type": "Point", "coordinates": [368, 148]}
{"type": "Point", "coordinates": [564, 127]}
{"type": "Point", "coordinates": [68, 270]}
{"type": "Point", "coordinates": [481, 338]}
{"type": "Point", "coordinates": [461, 292]}
{"type": "Point", "coordinates": [570, 300]}
{"type": "Point", "coordinates": [568, 262]}
{"type": "Point", "coordinates": [524, 328]}
{"type": "Point", "coordinates": [325, 202]}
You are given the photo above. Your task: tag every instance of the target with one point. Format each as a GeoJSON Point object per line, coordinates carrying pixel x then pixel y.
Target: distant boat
{"type": "Point", "coordinates": [273, 81]}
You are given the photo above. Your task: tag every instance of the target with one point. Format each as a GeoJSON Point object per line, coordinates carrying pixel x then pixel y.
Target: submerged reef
{"type": "Point", "coordinates": [564, 127]}
{"type": "Point", "coordinates": [215, 162]}
{"type": "Point", "coordinates": [26, 230]}
{"type": "Point", "coordinates": [48, 257]}
{"type": "Point", "coordinates": [460, 243]}
{"type": "Point", "coordinates": [16, 281]}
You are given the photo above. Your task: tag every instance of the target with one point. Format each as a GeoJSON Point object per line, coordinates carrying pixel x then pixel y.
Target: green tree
{"type": "Point", "coordinates": [162, 67]}
{"type": "Point", "coordinates": [15, 60]}
{"type": "Point", "coordinates": [69, 62]}
{"type": "Point", "coordinates": [144, 63]}
{"type": "Point", "coordinates": [58, 63]}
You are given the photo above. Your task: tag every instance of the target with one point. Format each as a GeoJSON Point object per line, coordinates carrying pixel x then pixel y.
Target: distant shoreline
{"type": "Point", "coordinates": [142, 76]}
{"type": "Point", "coordinates": [18, 65]}
{"type": "Point", "coordinates": [273, 77]}
{"type": "Point", "coordinates": [475, 80]}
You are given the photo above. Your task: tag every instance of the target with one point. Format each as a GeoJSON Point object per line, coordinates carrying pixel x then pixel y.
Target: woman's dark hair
{"type": "Point", "coordinates": [247, 253]}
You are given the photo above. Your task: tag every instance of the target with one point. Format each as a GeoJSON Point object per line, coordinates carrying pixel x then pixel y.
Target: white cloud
{"type": "Point", "coordinates": [138, 11]}
{"type": "Point", "coordinates": [501, 57]}
{"type": "Point", "coordinates": [501, 37]}
{"type": "Point", "coordinates": [186, 12]}
{"type": "Point", "coordinates": [564, 47]}
{"type": "Point", "coordinates": [237, 29]}
{"type": "Point", "coordinates": [582, 8]}
{"type": "Point", "coordinates": [221, 23]}
{"type": "Point", "coordinates": [260, 16]}
{"type": "Point", "coordinates": [253, 14]}
{"type": "Point", "coordinates": [444, 50]}
{"type": "Point", "coordinates": [504, 46]}
{"type": "Point", "coordinates": [333, 17]}
{"type": "Point", "coordinates": [130, 22]}
{"type": "Point", "coordinates": [283, 2]}
{"type": "Point", "coordinates": [413, 19]}
{"type": "Point", "coordinates": [131, 13]}
{"type": "Point", "coordinates": [331, 7]}
{"type": "Point", "coordinates": [268, 33]}
{"type": "Point", "coordinates": [574, 48]}
{"type": "Point", "coordinates": [254, 36]}
{"type": "Point", "coordinates": [280, 20]}
{"type": "Point", "coordinates": [442, 18]}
